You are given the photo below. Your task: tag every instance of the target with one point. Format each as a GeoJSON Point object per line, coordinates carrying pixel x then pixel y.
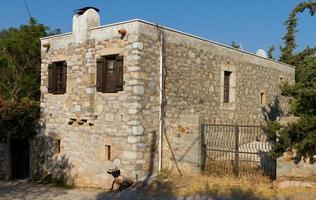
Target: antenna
{"type": "Point", "coordinates": [241, 47]}
{"type": "Point", "coordinates": [27, 8]}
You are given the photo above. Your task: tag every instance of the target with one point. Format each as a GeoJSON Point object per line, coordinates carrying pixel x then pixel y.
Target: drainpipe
{"type": "Point", "coordinates": [161, 103]}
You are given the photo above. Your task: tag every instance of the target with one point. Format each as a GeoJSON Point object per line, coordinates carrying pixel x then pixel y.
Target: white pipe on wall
{"type": "Point", "coordinates": [161, 92]}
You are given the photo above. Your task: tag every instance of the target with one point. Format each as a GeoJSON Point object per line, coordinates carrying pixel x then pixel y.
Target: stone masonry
{"type": "Point", "coordinates": [194, 86]}
{"type": "Point", "coordinates": [128, 121]}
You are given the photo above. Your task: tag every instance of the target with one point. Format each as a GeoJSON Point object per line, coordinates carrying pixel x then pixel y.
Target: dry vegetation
{"type": "Point", "coordinates": [225, 187]}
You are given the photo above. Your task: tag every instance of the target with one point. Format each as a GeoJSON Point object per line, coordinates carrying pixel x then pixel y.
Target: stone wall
{"type": "Point", "coordinates": [111, 119]}
{"type": "Point", "coordinates": [194, 88]}
{"type": "Point", "coordinates": [128, 121]}
{"type": "Point", "coordinates": [287, 169]}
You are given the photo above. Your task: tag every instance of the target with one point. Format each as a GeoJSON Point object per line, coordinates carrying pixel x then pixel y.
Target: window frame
{"type": "Point", "coordinates": [102, 73]}
{"type": "Point", "coordinates": [227, 86]}
{"type": "Point", "coordinates": [57, 77]}
{"type": "Point", "coordinates": [231, 104]}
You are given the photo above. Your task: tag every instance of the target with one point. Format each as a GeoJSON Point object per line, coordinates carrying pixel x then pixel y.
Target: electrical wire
{"type": "Point", "coordinates": [27, 8]}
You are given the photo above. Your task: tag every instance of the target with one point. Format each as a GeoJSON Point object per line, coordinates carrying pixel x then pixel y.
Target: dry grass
{"type": "Point", "coordinates": [227, 186]}
{"type": "Point", "coordinates": [223, 168]}
{"type": "Point", "coordinates": [223, 186]}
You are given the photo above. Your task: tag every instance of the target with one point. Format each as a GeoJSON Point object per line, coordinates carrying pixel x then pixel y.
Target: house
{"type": "Point", "coordinates": [107, 93]}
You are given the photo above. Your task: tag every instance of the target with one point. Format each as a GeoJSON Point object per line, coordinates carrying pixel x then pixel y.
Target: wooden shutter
{"type": "Point", "coordinates": [63, 77]}
{"type": "Point", "coordinates": [100, 75]}
{"type": "Point", "coordinates": [104, 75]}
{"type": "Point", "coordinates": [50, 78]}
{"type": "Point", "coordinates": [119, 73]}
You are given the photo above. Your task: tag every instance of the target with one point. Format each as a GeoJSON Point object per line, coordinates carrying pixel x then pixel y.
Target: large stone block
{"type": "Point", "coordinates": [137, 130]}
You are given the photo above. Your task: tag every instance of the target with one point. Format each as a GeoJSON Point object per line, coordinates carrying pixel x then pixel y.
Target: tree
{"type": "Point", "coordinates": [299, 136]}
{"type": "Point", "coordinates": [270, 52]}
{"type": "Point", "coordinates": [20, 79]}
{"type": "Point", "coordinates": [20, 61]}
{"type": "Point", "coordinates": [291, 25]}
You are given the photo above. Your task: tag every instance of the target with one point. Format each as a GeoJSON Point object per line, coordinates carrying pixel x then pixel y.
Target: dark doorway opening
{"type": "Point", "coordinates": [20, 159]}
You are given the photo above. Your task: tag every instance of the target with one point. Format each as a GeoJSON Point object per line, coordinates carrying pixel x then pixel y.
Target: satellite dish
{"type": "Point", "coordinates": [261, 53]}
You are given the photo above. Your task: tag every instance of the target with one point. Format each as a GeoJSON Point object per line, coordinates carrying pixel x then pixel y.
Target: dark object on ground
{"type": "Point", "coordinates": [120, 180]}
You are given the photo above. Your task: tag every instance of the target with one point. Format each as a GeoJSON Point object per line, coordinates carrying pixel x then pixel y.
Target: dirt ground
{"type": "Point", "coordinates": [188, 188]}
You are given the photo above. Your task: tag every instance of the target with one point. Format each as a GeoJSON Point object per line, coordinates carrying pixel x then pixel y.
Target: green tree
{"type": "Point", "coordinates": [301, 135]}
{"type": "Point", "coordinates": [20, 61]}
{"type": "Point", "coordinates": [291, 25]}
{"type": "Point", "coordinates": [20, 79]}
{"type": "Point", "coordinates": [270, 52]}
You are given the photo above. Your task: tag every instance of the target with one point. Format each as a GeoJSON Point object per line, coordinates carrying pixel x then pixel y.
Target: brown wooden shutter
{"type": "Point", "coordinates": [119, 73]}
{"type": "Point", "coordinates": [50, 78]}
{"type": "Point", "coordinates": [104, 76]}
{"type": "Point", "coordinates": [63, 77]}
{"type": "Point", "coordinates": [100, 79]}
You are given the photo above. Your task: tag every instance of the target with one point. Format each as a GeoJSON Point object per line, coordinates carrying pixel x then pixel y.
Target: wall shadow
{"type": "Point", "coordinates": [152, 156]}
{"type": "Point", "coordinates": [49, 165]}
{"type": "Point", "coordinates": [273, 111]}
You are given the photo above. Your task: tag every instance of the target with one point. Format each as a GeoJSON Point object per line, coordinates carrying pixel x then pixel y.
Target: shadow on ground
{"type": "Point", "coordinates": [23, 190]}
{"type": "Point", "coordinates": [162, 191]}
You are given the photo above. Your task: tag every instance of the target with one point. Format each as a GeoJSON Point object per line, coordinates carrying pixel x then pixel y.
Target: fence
{"type": "Point", "coordinates": [241, 150]}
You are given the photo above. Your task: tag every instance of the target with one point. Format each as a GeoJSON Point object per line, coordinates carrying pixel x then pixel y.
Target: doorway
{"type": "Point", "coordinates": [20, 159]}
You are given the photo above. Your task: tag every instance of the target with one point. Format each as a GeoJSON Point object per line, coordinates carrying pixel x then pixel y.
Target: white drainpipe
{"type": "Point", "coordinates": [161, 92]}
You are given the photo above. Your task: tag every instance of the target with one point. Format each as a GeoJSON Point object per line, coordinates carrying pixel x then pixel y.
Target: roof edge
{"type": "Point", "coordinates": [213, 42]}
{"type": "Point", "coordinates": [94, 28]}
{"type": "Point", "coordinates": [176, 31]}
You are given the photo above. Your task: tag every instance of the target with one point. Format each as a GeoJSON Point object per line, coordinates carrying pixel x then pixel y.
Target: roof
{"type": "Point", "coordinates": [179, 32]}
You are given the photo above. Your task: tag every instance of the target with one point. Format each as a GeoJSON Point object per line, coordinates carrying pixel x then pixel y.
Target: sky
{"type": "Point", "coordinates": [252, 23]}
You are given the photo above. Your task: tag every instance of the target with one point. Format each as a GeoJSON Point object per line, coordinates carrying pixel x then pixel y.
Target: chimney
{"type": "Point", "coordinates": [84, 19]}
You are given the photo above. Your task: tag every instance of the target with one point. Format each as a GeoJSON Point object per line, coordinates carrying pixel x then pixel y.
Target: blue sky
{"type": "Point", "coordinates": [252, 23]}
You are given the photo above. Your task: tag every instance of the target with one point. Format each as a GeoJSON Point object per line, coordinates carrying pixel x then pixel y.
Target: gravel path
{"type": "Point", "coordinates": [22, 189]}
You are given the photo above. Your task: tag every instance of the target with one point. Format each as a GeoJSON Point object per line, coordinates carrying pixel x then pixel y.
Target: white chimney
{"type": "Point", "coordinates": [261, 53]}
{"type": "Point", "coordinates": [84, 19]}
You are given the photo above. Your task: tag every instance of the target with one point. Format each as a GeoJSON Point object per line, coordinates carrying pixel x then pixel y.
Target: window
{"type": "Point", "coordinates": [110, 74]}
{"type": "Point", "coordinates": [226, 86]}
{"type": "Point", "coordinates": [57, 77]}
{"type": "Point", "coordinates": [262, 98]}
{"type": "Point", "coordinates": [108, 152]}
{"type": "Point", "coordinates": [57, 147]}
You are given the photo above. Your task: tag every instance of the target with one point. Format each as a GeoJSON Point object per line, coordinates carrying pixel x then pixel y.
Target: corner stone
{"type": "Point", "coordinates": [137, 130]}
{"type": "Point", "coordinates": [129, 155]}
{"type": "Point", "coordinates": [139, 90]}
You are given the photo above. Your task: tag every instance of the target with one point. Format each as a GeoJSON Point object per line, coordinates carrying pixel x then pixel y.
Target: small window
{"type": "Point", "coordinates": [108, 152]}
{"type": "Point", "coordinates": [57, 77]}
{"type": "Point", "coordinates": [110, 74]}
{"type": "Point", "coordinates": [226, 86]}
{"type": "Point", "coordinates": [262, 98]}
{"type": "Point", "coordinates": [57, 147]}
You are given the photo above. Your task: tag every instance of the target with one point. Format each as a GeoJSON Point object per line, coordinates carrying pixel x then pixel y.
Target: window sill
{"type": "Point", "coordinates": [228, 106]}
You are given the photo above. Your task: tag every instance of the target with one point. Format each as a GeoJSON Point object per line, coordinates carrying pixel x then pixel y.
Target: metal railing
{"type": "Point", "coordinates": [240, 150]}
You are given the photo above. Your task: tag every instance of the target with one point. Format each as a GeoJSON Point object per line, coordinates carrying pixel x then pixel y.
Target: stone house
{"type": "Point", "coordinates": [104, 90]}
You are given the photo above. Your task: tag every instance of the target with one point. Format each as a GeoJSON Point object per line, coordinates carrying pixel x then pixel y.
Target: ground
{"type": "Point", "coordinates": [179, 188]}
